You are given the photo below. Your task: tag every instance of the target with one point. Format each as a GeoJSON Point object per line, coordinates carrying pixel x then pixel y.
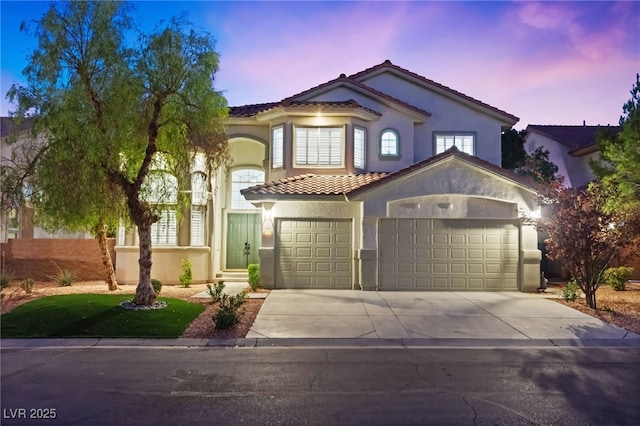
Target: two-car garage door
{"type": "Point", "coordinates": [413, 254]}
{"type": "Point", "coordinates": [313, 253]}
{"type": "Point", "coordinates": [447, 254]}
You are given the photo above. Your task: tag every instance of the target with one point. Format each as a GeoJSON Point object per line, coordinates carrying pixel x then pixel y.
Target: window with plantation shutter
{"type": "Point", "coordinates": [277, 147]}
{"type": "Point", "coordinates": [164, 231]}
{"type": "Point", "coordinates": [198, 189]}
{"type": "Point", "coordinates": [197, 226]}
{"type": "Point", "coordinates": [319, 146]}
{"type": "Point", "coordinates": [359, 143]}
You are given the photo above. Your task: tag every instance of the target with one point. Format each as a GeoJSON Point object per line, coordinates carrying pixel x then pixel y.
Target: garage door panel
{"type": "Point", "coordinates": [314, 254]}
{"type": "Point", "coordinates": [454, 254]}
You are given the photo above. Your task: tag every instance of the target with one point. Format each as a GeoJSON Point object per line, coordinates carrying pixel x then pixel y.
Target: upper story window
{"type": "Point", "coordinates": [319, 146]}
{"type": "Point", "coordinates": [359, 150]}
{"type": "Point", "coordinates": [277, 147]}
{"type": "Point", "coordinates": [389, 143]}
{"type": "Point", "coordinates": [241, 179]}
{"type": "Point", "coordinates": [465, 142]}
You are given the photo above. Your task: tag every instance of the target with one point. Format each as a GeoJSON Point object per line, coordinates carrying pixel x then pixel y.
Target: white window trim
{"type": "Point", "coordinates": [198, 227]}
{"type": "Point", "coordinates": [359, 152]}
{"type": "Point", "coordinates": [277, 147]}
{"type": "Point", "coordinates": [458, 142]}
{"type": "Point", "coordinates": [384, 155]}
{"type": "Point", "coordinates": [307, 165]}
{"type": "Point", "coordinates": [245, 204]}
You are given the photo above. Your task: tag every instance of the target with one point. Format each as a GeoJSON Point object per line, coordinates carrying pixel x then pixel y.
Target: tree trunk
{"type": "Point", "coordinates": [101, 235]}
{"type": "Point", "coordinates": [591, 299]}
{"type": "Point", "coordinates": [144, 292]}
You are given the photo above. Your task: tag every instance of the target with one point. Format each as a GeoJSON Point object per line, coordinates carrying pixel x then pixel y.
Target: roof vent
{"type": "Point", "coordinates": [387, 61]}
{"type": "Point", "coordinates": [343, 75]}
{"type": "Point", "coordinates": [584, 123]}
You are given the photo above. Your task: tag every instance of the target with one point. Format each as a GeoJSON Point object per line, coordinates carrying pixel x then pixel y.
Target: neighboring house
{"type": "Point", "coordinates": [17, 222]}
{"type": "Point", "coordinates": [381, 180]}
{"type": "Point", "coordinates": [570, 148]}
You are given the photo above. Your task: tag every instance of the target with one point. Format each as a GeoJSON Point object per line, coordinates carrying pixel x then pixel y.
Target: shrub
{"type": "Point", "coordinates": [617, 277]}
{"type": "Point", "coordinates": [571, 291]}
{"type": "Point", "coordinates": [186, 277]}
{"type": "Point", "coordinates": [226, 315]}
{"type": "Point", "coordinates": [5, 278]}
{"type": "Point", "coordinates": [216, 291]}
{"type": "Point", "coordinates": [65, 277]}
{"type": "Point", "coordinates": [254, 276]}
{"type": "Point", "coordinates": [27, 285]}
{"type": "Point", "coordinates": [157, 285]}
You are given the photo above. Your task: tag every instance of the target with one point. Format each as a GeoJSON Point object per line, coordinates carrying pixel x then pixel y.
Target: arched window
{"type": "Point", "coordinates": [241, 179]}
{"type": "Point", "coordinates": [389, 143]}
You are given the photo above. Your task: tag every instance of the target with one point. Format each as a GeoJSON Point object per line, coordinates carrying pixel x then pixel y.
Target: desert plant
{"type": "Point", "coordinates": [27, 285]}
{"type": "Point", "coordinates": [5, 278]}
{"type": "Point", "coordinates": [617, 278]}
{"type": "Point", "coordinates": [226, 315]}
{"type": "Point", "coordinates": [215, 291]}
{"type": "Point", "coordinates": [254, 276]}
{"type": "Point", "coordinates": [571, 291]}
{"type": "Point", "coordinates": [64, 277]}
{"type": "Point", "coordinates": [157, 285]}
{"type": "Point", "coordinates": [186, 277]}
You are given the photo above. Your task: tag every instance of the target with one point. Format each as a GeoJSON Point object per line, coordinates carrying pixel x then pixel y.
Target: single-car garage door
{"type": "Point", "coordinates": [314, 254]}
{"type": "Point", "coordinates": [447, 254]}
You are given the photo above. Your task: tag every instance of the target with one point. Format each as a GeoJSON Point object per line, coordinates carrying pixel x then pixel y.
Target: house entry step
{"type": "Point", "coordinates": [233, 276]}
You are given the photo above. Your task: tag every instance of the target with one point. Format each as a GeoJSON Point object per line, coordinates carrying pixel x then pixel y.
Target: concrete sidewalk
{"type": "Point", "coordinates": [331, 314]}
{"type": "Point", "coordinates": [345, 318]}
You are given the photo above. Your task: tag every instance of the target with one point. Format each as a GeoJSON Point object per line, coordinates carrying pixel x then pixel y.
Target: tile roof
{"type": "Point", "coordinates": [348, 80]}
{"type": "Point", "coordinates": [348, 186]}
{"type": "Point", "coordinates": [312, 185]}
{"type": "Point", "coordinates": [252, 110]}
{"type": "Point", "coordinates": [387, 64]}
{"type": "Point", "coordinates": [356, 80]}
{"type": "Point", "coordinates": [573, 137]}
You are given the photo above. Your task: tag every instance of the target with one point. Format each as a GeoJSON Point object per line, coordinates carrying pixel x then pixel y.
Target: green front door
{"type": "Point", "coordinates": [243, 239]}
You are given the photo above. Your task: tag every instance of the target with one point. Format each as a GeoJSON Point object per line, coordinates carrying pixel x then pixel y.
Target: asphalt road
{"type": "Point", "coordinates": [320, 386]}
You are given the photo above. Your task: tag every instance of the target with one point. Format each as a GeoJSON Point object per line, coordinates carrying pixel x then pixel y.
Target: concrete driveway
{"type": "Point", "coordinates": [426, 315]}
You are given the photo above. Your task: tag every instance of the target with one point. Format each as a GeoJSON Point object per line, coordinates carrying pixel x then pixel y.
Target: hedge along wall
{"type": "Point", "coordinates": [40, 259]}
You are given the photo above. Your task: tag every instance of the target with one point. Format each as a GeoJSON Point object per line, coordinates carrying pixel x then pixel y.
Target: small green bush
{"type": "Point", "coordinates": [226, 315]}
{"type": "Point", "coordinates": [157, 285]}
{"type": "Point", "coordinates": [617, 278]}
{"type": "Point", "coordinates": [65, 277]}
{"type": "Point", "coordinates": [215, 291]}
{"type": "Point", "coordinates": [5, 278]}
{"type": "Point", "coordinates": [186, 277]}
{"type": "Point", "coordinates": [571, 291]}
{"type": "Point", "coordinates": [254, 276]}
{"type": "Point", "coordinates": [27, 285]}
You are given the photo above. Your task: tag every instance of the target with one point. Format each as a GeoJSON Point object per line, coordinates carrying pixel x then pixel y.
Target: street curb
{"type": "Point", "coordinates": [258, 343]}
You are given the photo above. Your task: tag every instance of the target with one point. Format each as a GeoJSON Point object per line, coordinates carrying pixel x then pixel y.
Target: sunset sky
{"type": "Point", "coordinates": [545, 62]}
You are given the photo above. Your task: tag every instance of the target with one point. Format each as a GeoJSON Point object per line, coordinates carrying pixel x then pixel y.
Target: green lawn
{"type": "Point", "coordinates": [96, 315]}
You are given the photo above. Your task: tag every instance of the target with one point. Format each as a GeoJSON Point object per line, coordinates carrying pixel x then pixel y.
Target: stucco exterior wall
{"type": "Point", "coordinates": [575, 170]}
{"type": "Point", "coordinates": [446, 115]}
{"type": "Point", "coordinates": [302, 210]}
{"type": "Point", "coordinates": [166, 264]}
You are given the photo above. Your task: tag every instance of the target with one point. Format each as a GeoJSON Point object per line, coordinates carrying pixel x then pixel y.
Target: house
{"type": "Point", "coordinates": [380, 180]}
{"type": "Point", "coordinates": [17, 222]}
{"type": "Point", "coordinates": [570, 148]}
